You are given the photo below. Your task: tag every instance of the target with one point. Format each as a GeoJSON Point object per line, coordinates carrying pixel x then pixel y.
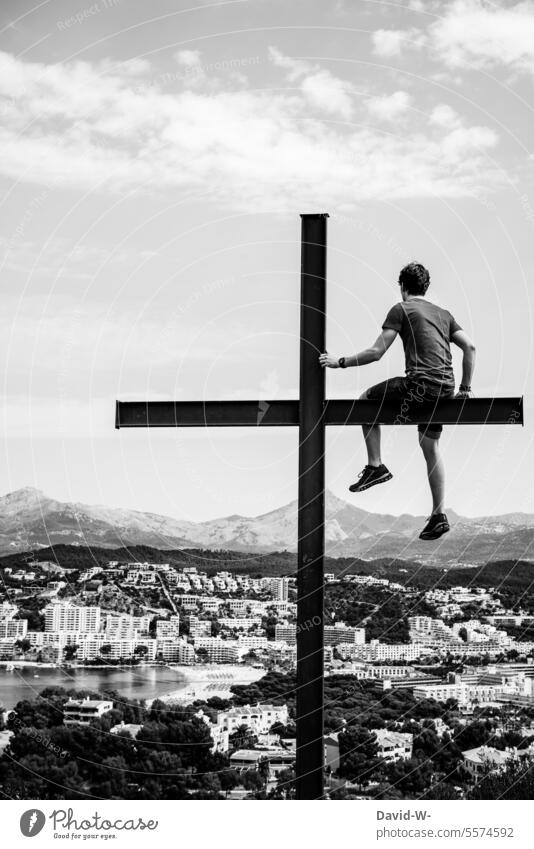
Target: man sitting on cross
{"type": "Point", "coordinates": [426, 331]}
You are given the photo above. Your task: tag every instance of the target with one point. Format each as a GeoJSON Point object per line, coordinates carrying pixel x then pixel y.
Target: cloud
{"type": "Point", "coordinates": [445, 116]}
{"type": "Point", "coordinates": [470, 34]}
{"type": "Point", "coordinates": [78, 126]}
{"type": "Point", "coordinates": [188, 57]}
{"type": "Point", "coordinates": [392, 42]}
{"type": "Point", "coordinates": [320, 87]}
{"type": "Point", "coordinates": [328, 93]}
{"type": "Point", "coordinates": [390, 106]}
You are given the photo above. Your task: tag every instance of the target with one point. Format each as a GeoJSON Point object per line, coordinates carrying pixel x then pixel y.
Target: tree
{"type": "Point", "coordinates": [284, 731]}
{"type": "Point", "coordinates": [251, 780]}
{"type": "Point", "coordinates": [141, 651]}
{"type": "Point", "coordinates": [358, 754]}
{"type": "Point", "coordinates": [285, 784]}
{"type": "Point", "coordinates": [242, 738]}
{"type": "Point", "coordinates": [70, 651]}
{"type": "Point", "coordinates": [516, 781]}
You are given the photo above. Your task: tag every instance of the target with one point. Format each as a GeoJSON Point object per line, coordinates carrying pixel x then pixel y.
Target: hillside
{"type": "Point", "coordinates": [31, 520]}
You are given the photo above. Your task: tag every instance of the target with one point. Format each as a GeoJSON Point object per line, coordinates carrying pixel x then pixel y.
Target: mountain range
{"type": "Point", "coordinates": [30, 520]}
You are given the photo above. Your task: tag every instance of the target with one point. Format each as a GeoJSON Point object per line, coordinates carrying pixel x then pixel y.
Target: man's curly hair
{"type": "Point", "coordinates": [414, 278]}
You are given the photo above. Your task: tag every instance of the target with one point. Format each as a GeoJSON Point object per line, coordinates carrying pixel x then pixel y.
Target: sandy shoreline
{"type": "Point", "coordinates": [203, 682]}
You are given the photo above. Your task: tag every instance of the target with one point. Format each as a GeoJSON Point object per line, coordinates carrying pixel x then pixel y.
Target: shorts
{"type": "Point", "coordinates": [412, 392]}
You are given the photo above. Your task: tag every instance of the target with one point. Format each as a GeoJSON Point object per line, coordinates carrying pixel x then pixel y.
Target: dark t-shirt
{"type": "Point", "coordinates": [426, 331]}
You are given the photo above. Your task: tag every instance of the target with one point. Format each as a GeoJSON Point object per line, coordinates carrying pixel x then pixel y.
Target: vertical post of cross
{"type": "Point", "coordinates": [310, 574]}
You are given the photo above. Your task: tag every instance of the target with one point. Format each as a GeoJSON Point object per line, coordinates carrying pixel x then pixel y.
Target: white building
{"type": "Point", "coordinates": [168, 628]}
{"type": "Point", "coordinates": [68, 617]}
{"type": "Point", "coordinates": [175, 651]}
{"type": "Point", "coordinates": [199, 627]}
{"type": "Point", "coordinates": [393, 745]}
{"type": "Point", "coordinates": [219, 651]}
{"type": "Point", "coordinates": [122, 626]}
{"type": "Point", "coordinates": [250, 641]}
{"type": "Point", "coordinates": [284, 633]}
{"type": "Point", "coordinates": [16, 628]}
{"type": "Point", "coordinates": [107, 648]}
{"type": "Point", "coordinates": [341, 633]}
{"type": "Point", "coordinates": [82, 711]}
{"type": "Point", "coordinates": [279, 588]}
{"type": "Point", "coordinates": [258, 718]}
{"type": "Point", "coordinates": [463, 693]}
{"type": "Point", "coordinates": [376, 650]}
{"type": "Point", "coordinates": [241, 623]}
{"type": "Point", "coordinates": [485, 759]}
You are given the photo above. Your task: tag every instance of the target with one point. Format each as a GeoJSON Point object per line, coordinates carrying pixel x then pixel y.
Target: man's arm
{"type": "Point", "coordinates": [463, 341]}
{"type": "Point", "coordinates": [368, 355]}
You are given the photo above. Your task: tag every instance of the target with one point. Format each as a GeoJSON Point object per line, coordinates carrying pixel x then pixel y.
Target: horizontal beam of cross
{"type": "Point", "coordinates": [472, 411]}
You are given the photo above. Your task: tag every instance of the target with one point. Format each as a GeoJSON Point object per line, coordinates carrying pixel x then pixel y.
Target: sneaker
{"type": "Point", "coordinates": [436, 525]}
{"type": "Point", "coordinates": [370, 476]}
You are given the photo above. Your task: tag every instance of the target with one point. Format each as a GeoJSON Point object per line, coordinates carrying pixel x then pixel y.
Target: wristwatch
{"type": "Point", "coordinates": [463, 388]}
{"type": "Point", "coordinates": [341, 362]}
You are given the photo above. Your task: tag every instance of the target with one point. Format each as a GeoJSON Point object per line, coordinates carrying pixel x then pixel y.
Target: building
{"type": "Point", "coordinates": [7, 647]}
{"type": "Point", "coordinates": [278, 759]}
{"type": "Point", "coordinates": [282, 653]}
{"type": "Point", "coordinates": [258, 718]}
{"type": "Point", "coordinates": [68, 617]}
{"type": "Point", "coordinates": [189, 602]}
{"type": "Point", "coordinates": [242, 623]}
{"type": "Point", "coordinates": [168, 628]}
{"type": "Point", "coordinates": [122, 626]}
{"type": "Point", "coordinates": [279, 588]}
{"type": "Point", "coordinates": [199, 627]}
{"type": "Point", "coordinates": [82, 711]}
{"type": "Point", "coordinates": [393, 745]}
{"type": "Point", "coordinates": [216, 650]}
{"type": "Point", "coordinates": [102, 646]}
{"type": "Point", "coordinates": [377, 651]}
{"type": "Point", "coordinates": [286, 634]}
{"type": "Point", "coordinates": [175, 651]}
{"type": "Point", "coordinates": [461, 692]}
{"type": "Point", "coordinates": [341, 633]}
{"type": "Point", "coordinates": [511, 620]}
{"type": "Point", "coordinates": [485, 759]}
{"type": "Point", "coordinates": [370, 672]}
{"type": "Point", "coordinates": [238, 606]}
{"type": "Point", "coordinates": [249, 642]}
{"type": "Point", "coordinates": [15, 628]}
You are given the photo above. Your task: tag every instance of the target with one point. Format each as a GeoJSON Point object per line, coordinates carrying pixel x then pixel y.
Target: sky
{"type": "Point", "coordinates": [154, 162]}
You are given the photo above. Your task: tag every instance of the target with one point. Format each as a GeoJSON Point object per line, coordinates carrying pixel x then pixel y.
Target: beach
{"type": "Point", "coordinates": [204, 682]}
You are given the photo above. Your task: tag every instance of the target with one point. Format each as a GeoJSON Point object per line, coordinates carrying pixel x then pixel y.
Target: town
{"type": "Point", "coordinates": [445, 673]}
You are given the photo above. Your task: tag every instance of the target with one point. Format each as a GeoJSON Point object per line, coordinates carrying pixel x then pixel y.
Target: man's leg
{"type": "Point", "coordinates": [375, 472]}
{"type": "Point", "coordinates": [438, 523]}
{"type": "Point", "coordinates": [435, 470]}
{"type": "Point", "coordinates": [372, 435]}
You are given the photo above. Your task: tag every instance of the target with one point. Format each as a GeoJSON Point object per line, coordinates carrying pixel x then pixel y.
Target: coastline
{"type": "Point", "coordinates": [168, 682]}
{"type": "Point", "coordinates": [208, 680]}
